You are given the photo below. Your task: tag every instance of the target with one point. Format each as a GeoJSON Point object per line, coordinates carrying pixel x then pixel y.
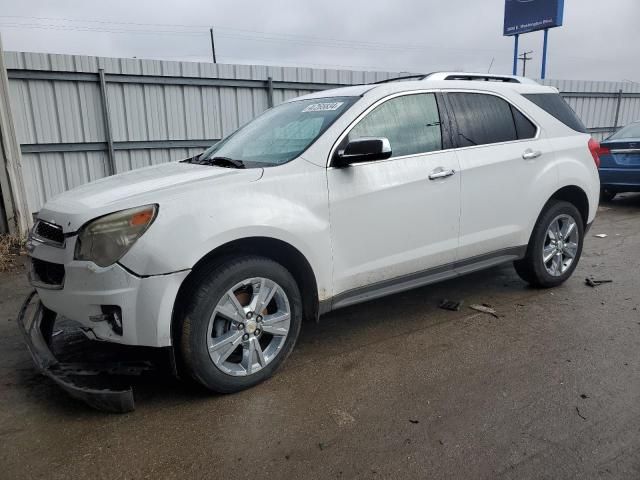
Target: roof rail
{"type": "Point", "coordinates": [486, 78]}
{"type": "Point", "coordinates": [468, 76]}
{"type": "Point", "coordinates": [482, 77]}
{"type": "Point", "coordinates": [417, 76]}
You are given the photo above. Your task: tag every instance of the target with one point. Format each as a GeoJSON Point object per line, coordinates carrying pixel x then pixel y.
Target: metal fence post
{"type": "Point", "coordinates": [111, 157]}
{"type": "Point", "coordinates": [4, 226]}
{"type": "Point", "coordinates": [14, 196]}
{"type": "Point", "coordinates": [269, 92]}
{"type": "Point", "coordinates": [615, 121]}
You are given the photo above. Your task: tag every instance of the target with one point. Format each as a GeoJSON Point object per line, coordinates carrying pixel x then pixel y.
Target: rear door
{"type": "Point", "coordinates": [503, 160]}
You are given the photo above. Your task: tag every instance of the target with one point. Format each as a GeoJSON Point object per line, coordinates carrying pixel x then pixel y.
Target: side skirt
{"type": "Point", "coordinates": [420, 279]}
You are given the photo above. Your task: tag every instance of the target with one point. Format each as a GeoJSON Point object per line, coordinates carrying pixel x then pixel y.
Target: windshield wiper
{"type": "Point", "coordinates": [225, 162]}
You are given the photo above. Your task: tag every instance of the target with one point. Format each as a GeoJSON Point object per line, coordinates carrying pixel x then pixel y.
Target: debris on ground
{"type": "Point", "coordinates": [11, 249]}
{"type": "Point", "coordinates": [450, 305]}
{"type": "Point", "coordinates": [584, 395]}
{"type": "Point", "coordinates": [592, 282]}
{"type": "Point", "coordinates": [414, 421]}
{"type": "Point", "coordinates": [484, 308]}
{"type": "Point", "coordinates": [580, 415]}
{"type": "Point", "coordinates": [601, 235]}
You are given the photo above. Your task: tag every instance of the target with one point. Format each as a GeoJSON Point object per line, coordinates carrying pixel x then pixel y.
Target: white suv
{"type": "Point", "coordinates": [324, 201]}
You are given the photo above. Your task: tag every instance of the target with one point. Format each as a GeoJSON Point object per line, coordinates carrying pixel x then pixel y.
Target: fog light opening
{"type": "Point", "coordinates": [112, 314]}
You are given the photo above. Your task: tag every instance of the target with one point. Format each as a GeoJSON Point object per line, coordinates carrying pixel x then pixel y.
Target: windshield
{"type": "Point", "coordinates": [280, 134]}
{"type": "Point", "coordinates": [630, 131]}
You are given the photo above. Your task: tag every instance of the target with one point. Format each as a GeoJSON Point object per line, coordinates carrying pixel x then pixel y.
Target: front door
{"type": "Point", "coordinates": [396, 217]}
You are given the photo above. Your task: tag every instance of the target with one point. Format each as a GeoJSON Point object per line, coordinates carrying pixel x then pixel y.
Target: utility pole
{"type": "Point", "coordinates": [213, 46]}
{"type": "Point", "coordinates": [525, 58]}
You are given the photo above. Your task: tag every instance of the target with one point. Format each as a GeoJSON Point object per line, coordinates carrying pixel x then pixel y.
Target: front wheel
{"type": "Point", "coordinates": [555, 246]}
{"type": "Point", "coordinates": [240, 324]}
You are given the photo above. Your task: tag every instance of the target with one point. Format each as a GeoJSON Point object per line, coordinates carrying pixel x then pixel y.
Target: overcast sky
{"type": "Point", "coordinates": [600, 40]}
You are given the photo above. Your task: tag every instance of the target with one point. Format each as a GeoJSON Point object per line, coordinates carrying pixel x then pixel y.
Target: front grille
{"type": "Point", "coordinates": [49, 232]}
{"type": "Point", "coordinates": [47, 273]}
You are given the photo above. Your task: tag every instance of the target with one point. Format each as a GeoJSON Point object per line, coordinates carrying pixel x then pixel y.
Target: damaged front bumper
{"type": "Point", "coordinates": [78, 379]}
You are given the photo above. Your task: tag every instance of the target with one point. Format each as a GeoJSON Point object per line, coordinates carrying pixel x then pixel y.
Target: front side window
{"type": "Point", "coordinates": [281, 133]}
{"type": "Point", "coordinates": [483, 119]}
{"type": "Point", "coordinates": [411, 123]}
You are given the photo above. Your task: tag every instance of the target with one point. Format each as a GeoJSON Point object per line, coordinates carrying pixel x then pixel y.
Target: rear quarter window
{"type": "Point", "coordinates": [554, 105]}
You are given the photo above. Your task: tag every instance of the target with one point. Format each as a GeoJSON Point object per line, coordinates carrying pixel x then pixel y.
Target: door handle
{"type": "Point", "coordinates": [440, 173]}
{"type": "Point", "coordinates": [531, 154]}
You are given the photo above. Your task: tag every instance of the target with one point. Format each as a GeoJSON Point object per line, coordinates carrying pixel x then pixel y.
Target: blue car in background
{"type": "Point", "coordinates": [620, 162]}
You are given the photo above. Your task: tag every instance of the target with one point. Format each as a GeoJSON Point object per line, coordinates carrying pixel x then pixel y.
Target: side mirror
{"type": "Point", "coordinates": [365, 149]}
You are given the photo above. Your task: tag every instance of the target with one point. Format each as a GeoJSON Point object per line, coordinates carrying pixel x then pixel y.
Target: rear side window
{"type": "Point", "coordinates": [411, 123]}
{"type": "Point", "coordinates": [483, 119]}
{"type": "Point", "coordinates": [554, 105]}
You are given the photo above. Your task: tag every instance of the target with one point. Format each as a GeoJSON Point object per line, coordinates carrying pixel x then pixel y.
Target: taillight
{"type": "Point", "coordinates": [597, 151]}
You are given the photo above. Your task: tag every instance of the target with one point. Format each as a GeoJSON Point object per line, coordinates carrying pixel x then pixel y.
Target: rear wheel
{"type": "Point", "coordinates": [241, 323]}
{"type": "Point", "coordinates": [607, 195]}
{"type": "Point", "coordinates": [555, 246]}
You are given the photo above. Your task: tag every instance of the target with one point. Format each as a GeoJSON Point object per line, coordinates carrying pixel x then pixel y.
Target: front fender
{"type": "Point", "coordinates": [289, 203]}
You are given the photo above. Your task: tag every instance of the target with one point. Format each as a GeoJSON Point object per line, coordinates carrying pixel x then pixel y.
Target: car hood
{"type": "Point", "coordinates": [155, 184]}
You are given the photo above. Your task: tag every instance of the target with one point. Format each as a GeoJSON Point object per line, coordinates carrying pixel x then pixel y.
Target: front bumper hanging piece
{"type": "Point", "coordinates": [74, 378]}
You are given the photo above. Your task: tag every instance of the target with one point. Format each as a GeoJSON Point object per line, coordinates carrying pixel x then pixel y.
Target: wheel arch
{"type": "Point", "coordinates": [569, 193]}
{"type": "Point", "coordinates": [576, 196]}
{"type": "Point", "coordinates": [277, 250]}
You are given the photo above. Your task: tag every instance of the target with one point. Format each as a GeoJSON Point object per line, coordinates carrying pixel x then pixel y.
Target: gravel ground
{"type": "Point", "coordinates": [395, 388]}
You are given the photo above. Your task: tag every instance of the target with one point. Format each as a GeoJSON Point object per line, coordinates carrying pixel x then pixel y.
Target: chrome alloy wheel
{"type": "Point", "coordinates": [560, 245]}
{"type": "Point", "coordinates": [248, 327]}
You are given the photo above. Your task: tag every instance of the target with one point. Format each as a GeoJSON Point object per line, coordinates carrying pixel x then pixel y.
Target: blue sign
{"type": "Point", "coordinates": [522, 16]}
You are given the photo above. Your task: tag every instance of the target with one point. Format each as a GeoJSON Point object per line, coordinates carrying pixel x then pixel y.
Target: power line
{"type": "Point", "coordinates": [113, 27]}
{"type": "Point", "coordinates": [232, 33]}
{"type": "Point", "coordinates": [86, 20]}
{"type": "Point", "coordinates": [97, 29]}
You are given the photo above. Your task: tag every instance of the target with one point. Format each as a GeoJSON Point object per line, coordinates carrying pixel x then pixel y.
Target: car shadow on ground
{"type": "Point", "coordinates": [624, 202]}
{"type": "Point", "coordinates": [336, 333]}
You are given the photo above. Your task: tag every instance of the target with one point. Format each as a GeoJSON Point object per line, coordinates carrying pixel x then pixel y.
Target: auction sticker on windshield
{"type": "Point", "coordinates": [323, 107]}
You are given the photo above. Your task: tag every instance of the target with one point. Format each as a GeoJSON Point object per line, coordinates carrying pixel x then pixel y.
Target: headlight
{"type": "Point", "coordinates": [105, 240]}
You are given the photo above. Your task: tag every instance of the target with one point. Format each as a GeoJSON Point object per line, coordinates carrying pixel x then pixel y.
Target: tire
{"type": "Point", "coordinates": [532, 269]}
{"type": "Point", "coordinates": [607, 195]}
{"type": "Point", "coordinates": [235, 363]}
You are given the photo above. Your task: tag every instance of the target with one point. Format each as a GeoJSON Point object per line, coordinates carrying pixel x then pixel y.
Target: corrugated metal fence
{"type": "Point", "coordinates": [80, 118]}
{"type": "Point", "coordinates": [602, 106]}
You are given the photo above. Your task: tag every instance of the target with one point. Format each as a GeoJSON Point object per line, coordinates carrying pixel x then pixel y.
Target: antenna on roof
{"type": "Point", "coordinates": [493, 59]}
